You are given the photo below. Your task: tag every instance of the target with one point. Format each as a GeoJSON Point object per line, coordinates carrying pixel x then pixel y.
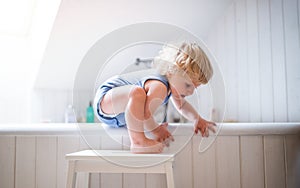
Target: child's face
{"type": "Point", "coordinates": [181, 85]}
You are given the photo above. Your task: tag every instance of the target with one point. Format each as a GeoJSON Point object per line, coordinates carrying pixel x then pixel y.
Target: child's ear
{"type": "Point", "coordinates": [170, 73]}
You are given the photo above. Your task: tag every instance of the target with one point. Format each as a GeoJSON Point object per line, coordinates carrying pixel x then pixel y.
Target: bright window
{"type": "Point", "coordinates": [16, 16]}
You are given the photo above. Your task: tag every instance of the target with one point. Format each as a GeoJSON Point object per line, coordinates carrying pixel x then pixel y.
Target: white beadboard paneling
{"type": "Point", "coordinates": [111, 180]}
{"type": "Point", "coordinates": [126, 142]}
{"type": "Point", "coordinates": [152, 180]}
{"type": "Point", "coordinates": [220, 54]}
{"type": "Point", "coordinates": [56, 115]}
{"type": "Point", "coordinates": [111, 141]}
{"type": "Point", "coordinates": [7, 161]}
{"type": "Point", "coordinates": [253, 62]}
{"type": "Point", "coordinates": [81, 100]}
{"type": "Point", "coordinates": [274, 161]}
{"type": "Point", "coordinates": [156, 181]}
{"type": "Point", "coordinates": [252, 161]}
{"type": "Point", "coordinates": [265, 61]}
{"type": "Point", "coordinates": [228, 161]}
{"type": "Point", "coordinates": [25, 162]}
{"type": "Point", "coordinates": [204, 165]}
{"type": "Point", "coordinates": [242, 63]}
{"type": "Point", "coordinates": [49, 105]}
{"type": "Point", "coordinates": [278, 59]}
{"type": "Point", "coordinates": [267, 52]}
{"type": "Point", "coordinates": [183, 160]}
{"type": "Point", "coordinates": [292, 55]}
{"type": "Point", "coordinates": [46, 159]}
{"type": "Point", "coordinates": [292, 149]}
{"type": "Point", "coordinates": [245, 160]}
{"type": "Point", "coordinates": [299, 20]}
{"type": "Point", "coordinates": [216, 91]}
{"type": "Point", "coordinates": [62, 100]}
{"type": "Point", "coordinates": [35, 111]}
{"type": "Point", "coordinates": [219, 35]}
{"type": "Point", "coordinates": [85, 180]}
{"type": "Point", "coordinates": [230, 63]}
{"type": "Point", "coordinates": [92, 142]}
{"type": "Point", "coordinates": [132, 180]}
{"type": "Point", "coordinates": [202, 101]}
{"type": "Point", "coordinates": [204, 106]}
{"type": "Point", "coordinates": [65, 145]}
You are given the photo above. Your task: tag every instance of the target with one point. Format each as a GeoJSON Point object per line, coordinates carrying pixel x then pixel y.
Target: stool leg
{"type": "Point", "coordinates": [169, 174]}
{"type": "Point", "coordinates": [71, 177]}
{"type": "Point", "coordinates": [87, 179]}
{"type": "Point", "coordinates": [82, 179]}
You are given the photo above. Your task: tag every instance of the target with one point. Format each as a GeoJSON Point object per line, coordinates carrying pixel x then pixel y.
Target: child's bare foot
{"type": "Point", "coordinates": [147, 146]}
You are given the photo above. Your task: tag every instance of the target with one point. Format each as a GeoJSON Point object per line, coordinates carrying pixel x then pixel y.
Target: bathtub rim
{"type": "Point", "coordinates": [226, 129]}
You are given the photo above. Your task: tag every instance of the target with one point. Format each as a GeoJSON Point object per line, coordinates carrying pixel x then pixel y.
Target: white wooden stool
{"type": "Point", "coordinates": [107, 161]}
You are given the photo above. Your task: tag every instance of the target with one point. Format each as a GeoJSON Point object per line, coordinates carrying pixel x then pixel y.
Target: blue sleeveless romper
{"type": "Point", "coordinates": [138, 79]}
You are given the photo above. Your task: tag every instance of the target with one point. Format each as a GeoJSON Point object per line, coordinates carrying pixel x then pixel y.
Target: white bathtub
{"type": "Point", "coordinates": [242, 155]}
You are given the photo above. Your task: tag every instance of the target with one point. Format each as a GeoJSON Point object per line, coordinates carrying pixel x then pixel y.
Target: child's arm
{"type": "Point", "coordinates": [188, 111]}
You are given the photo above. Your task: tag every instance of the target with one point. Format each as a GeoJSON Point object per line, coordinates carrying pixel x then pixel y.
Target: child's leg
{"type": "Point", "coordinates": [131, 100]}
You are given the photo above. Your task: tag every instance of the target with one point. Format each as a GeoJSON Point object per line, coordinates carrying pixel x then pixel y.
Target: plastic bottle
{"type": "Point", "coordinates": [70, 115]}
{"type": "Point", "coordinates": [90, 114]}
{"type": "Point", "coordinates": [214, 115]}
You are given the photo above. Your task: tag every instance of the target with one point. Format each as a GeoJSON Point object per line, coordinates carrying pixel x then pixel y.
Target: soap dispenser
{"type": "Point", "coordinates": [90, 114]}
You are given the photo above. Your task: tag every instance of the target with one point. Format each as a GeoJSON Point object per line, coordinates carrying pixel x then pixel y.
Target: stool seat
{"type": "Point", "coordinates": [118, 161]}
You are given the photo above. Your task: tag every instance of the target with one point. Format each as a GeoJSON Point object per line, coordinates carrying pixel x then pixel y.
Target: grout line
{"type": "Point", "coordinates": [15, 161]}
{"type": "Point", "coordinates": [216, 162]}
{"type": "Point", "coordinates": [247, 59]}
{"type": "Point", "coordinates": [35, 161]}
{"type": "Point", "coordinates": [192, 156]}
{"type": "Point", "coordinates": [122, 175]}
{"type": "Point", "coordinates": [56, 161]}
{"type": "Point", "coordinates": [271, 51]}
{"type": "Point", "coordinates": [259, 61]}
{"type": "Point", "coordinates": [285, 62]}
{"type": "Point", "coordinates": [285, 160]}
{"type": "Point", "coordinates": [145, 182]}
{"type": "Point", "coordinates": [264, 161]}
{"type": "Point", "coordinates": [298, 18]}
{"type": "Point", "coordinates": [240, 161]}
{"type": "Point", "coordinates": [236, 58]}
{"type": "Point", "coordinates": [99, 147]}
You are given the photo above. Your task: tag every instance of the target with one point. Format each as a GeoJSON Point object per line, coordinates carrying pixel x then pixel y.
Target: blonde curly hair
{"type": "Point", "coordinates": [189, 58]}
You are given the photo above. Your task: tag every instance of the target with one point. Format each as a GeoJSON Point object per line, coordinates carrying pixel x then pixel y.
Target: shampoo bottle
{"type": "Point", "coordinates": [70, 115]}
{"type": "Point", "coordinates": [90, 114]}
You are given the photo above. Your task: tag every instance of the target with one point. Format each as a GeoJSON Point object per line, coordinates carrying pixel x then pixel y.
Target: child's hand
{"type": "Point", "coordinates": [162, 134]}
{"type": "Point", "coordinates": [204, 127]}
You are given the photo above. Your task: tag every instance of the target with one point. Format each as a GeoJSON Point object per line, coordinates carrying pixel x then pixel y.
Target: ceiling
{"type": "Point", "coordinates": [79, 24]}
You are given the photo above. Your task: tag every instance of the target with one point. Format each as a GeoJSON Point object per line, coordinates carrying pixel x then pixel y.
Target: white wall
{"type": "Point", "coordinates": [24, 30]}
{"type": "Point", "coordinates": [80, 24]}
{"type": "Point", "coordinates": [257, 46]}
